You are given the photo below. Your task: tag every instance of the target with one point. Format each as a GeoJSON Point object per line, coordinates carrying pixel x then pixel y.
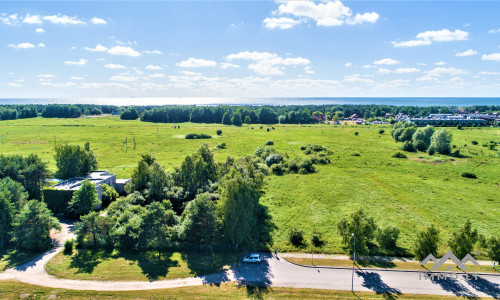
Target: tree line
{"type": "Point", "coordinates": [13, 112]}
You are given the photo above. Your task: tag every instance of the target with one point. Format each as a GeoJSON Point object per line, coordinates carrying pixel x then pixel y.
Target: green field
{"type": "Point", "coordinates": [17, 290]}
{"type": "Point", "coordinates": [409, 193]}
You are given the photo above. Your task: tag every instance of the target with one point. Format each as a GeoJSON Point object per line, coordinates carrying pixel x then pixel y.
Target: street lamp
{"type": "Point", "coordinates": [353, 259]}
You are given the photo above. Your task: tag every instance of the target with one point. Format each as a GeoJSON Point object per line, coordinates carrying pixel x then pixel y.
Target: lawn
{"type": "Point", "coordinates": [230, 290]}
{"type": "Point", "coordinates": [409, 193]}
{"type": "Point", "coordinates": [10, 257]}
{"type": "Point", "coordinates": [133, 266]}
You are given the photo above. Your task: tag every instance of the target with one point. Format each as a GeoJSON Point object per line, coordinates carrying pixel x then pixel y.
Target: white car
{"type": "Point", "coordinates": [252, 258]}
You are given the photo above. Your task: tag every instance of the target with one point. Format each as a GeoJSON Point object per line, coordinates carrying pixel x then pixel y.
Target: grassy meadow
{"type": "Point", "coordinates": [410, 193]}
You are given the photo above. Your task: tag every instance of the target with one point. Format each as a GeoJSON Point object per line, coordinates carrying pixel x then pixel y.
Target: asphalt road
{"type": "Point", "coordinates": [276, 272]}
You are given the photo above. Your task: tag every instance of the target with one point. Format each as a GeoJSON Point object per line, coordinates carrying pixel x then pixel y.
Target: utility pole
{"type": "Point", "coordinates": [353, 260]}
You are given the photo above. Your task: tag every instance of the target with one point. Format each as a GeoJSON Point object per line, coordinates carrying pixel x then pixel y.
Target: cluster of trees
{"type": "Point", "coordinates": [24, 224]}
{"type": "Point", "coordinates": [61, 111]}
{"type": "Point", "coordinates": [129, 114]}
{"type": "Point", "coordinates": [31, 172]}
{"type": "Point", "coordinates": [12, 112]}
{"type": "Point", "coordinates": [201, 203]}
{"type": "Point", "coordinates": [425, 139]}
{"type": "Point", "coordinates": [74, 161]}
{"type": "Point", "coordinates": [462, 242]}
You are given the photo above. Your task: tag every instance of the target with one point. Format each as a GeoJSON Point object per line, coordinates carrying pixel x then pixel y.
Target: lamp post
{"type": "Point", "coordinates": [353, 259]}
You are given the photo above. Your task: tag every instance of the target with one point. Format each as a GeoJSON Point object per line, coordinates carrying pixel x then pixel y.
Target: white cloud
{"type": "Point", "coordinates": [39, 30]}
{"type": "Point", "coordinates": [14, 84]}
{"type": "Point", "coordinates": [98, 48]}
{"type": "Point", "coordinates": [386, 61]}
{"type": "Point", "coordinates": [151, 67]}
{"type": "Point", "coordinates": [229, 65]}
{"type": "Point", "coordinates": [266, 63]}
{"type": "Point", "coordinates": [308, 70]}
{"type": "Point", "coordinates": [114, 66]}
{"type": "Point", "coordinates": [123, 78]}
{"type": "Point", "coordinates": [10, 19]}
{"type": "Point", "coordinates": [281, 23]}
{"type": "Point", "coordinates": [45, 76]}
{"type": "Point", "coordinates": [384, 71]}
{"type": "Point", "coordinates": [120, 50]}
{"type": "Point", "coordinates": [58, 84]}
{"type": "Point", "coordinates": [41, 45]}
{"type": "Point", "coordinates": [151, 52]}
{"type": "Point", "coordinates": [406, 70]}
{"type": "Point", "coordinates": [440, 63]}
{"type": "Point", "coordinates": [494, 31]}
{"type": "Point", "coordinates": [489, 73]}
{"type": "Point", "coordinates": [354, 78]}
{"type": "Point", "coordinates": [22, 46]}
{"type": "Point", "coordinates": [427, 37]}
{"type": "Point", "coordinates": [469, 52]}
{"type": "Point", "coordinates": [436, 73]}
{"type": "Point", "coordinates": [98, 21]}
{"type": "Point", "coordinates": [158, 75]}
{"type": "Point", "coordinates": [63, 20]}
{"type": "Point", "coordinates": [368, 67]}
{"type": "Point", "coordinates": [76, 78]}
{"type": "Point", "coordinates": [493, 56]}
{"type": "Point", "coordinates": [32, 19]}
{"type": "Point", "coordinates": [80, 62]}
{"type": "Point", "coordinates": [347, 65]}
{"type": "Point", "coordinates": [325, 13]}
{"type": "Point", "coordinates": [197, 63]}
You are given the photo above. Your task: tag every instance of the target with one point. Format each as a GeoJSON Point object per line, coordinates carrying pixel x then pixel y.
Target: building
{"type": "Point", "coordinates": [98, 178]}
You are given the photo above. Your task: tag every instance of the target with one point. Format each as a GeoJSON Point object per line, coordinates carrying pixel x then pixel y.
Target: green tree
{"type": "Point", "coordinates": [6, 219]}
{"type": "Point", "coordinates": [387, 237]}
{"type": "Point", "coordinates": [200, 221]}
{"type": "Point", "coordinates": [93, 230]}
{"type": "Point", "coordinates": [157, 227]}
{"type": "Point", "coordinates": [422, 138]}
{"type": "Point", "coordinates": [494, 249]}
{"type": "Point", "coordinates": [84, 200]}
{"type": "Point", "coordinates": [440, 142]}
{"type": "Point", "coordinates": [363, 228]}
{"type": "Point", "coordinates": [158, 183]}
{"type": "Point", "coordinates": [14, 192]}
{"type": "Point", "coordinates": [236, 119]}
{"type": "Point", "coordinates": [407, 134]}
{"type": "Point", "coordinates": [35, 175]}
{"type": "Point", "coordinates": [463, 240]}
{"type": "Point", "coordinates": [142, 175]}
{"type": "Point", "coordinates": [268, 116]}
{"type": "Point", "coordinates": [32, 227]}
{"type": "Point", "coordinates": [226, 119]}
{"type": "Point", "coordinates": [427, 243]}
{"type": "Point", "coordinates": [248, 120]}
{"type": "Point", "coordinates": [109, 194]}
{"type": "Point", "coordinates": [367, 115]}
{"type": "Point", "coordinates": [74, 161]}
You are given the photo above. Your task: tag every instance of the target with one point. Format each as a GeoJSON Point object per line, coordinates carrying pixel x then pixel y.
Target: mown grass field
{"type": "Point", "coordinates": [230, 290]}
{"type": "Point", "coordinates": [148, 266]}
{"type": "Point", "coordinates": [409, 193]}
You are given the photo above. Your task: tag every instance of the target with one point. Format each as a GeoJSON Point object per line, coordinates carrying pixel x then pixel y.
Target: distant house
{"type": "Point", "coordinates": [389, 115]}
{"type": "Point", "coordinates": [98, 178]}
{"type": "Point", "coordinates": [354, 117]}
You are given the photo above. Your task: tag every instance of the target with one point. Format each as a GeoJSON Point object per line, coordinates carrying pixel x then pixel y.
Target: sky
{"type": "Point", "coordinates": [249, 49]}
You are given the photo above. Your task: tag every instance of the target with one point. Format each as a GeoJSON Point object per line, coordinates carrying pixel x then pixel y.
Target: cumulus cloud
{"type": "Point", "coordinates": [151, 67]}
{"type": "Point", "coordinates": [494, 31]}
{"type": "Point", "coordinates": [123, 78]}
{"type": "Point", "coordinates": [436, 73]}
{"type": "Point", "coordinates": [229, 65]}
{"type": "Point", "coordinates": [41, 45]}
{"type": "Point", "coordinates": [151, 51]}
{"type": "Point", "coordinates": [76, 78]}
{"type": "Point", "coordinates": [440, 63]}
{"type": "Point", "coordinates": [98, 21]}
{"type": "Point", "coordinates": [114, 66]}
{"type": "Point", "coordinates": [14, 84]}
{"type": "Point", "coordinates": [22, 46]}
{"type": "Point", "coordinates": [197, 63]}
{"type": "Point", "coordinates": [427, 37]}
{"type": "Point", "coordinates": [45, 76]}
{"type": "Point", "coordinates": [469, 52]}
{"type": "Point", "coordinates": [386, 61]}
{"type": "Point", "coordinates": [493, 56]}
{"type": "Point", "coordinates": [80, 62]}
{"type": "Point", "coordinates": [309, 70]}
{"type": "Point", "coordinates": [266, 63]}
{"type": "Point", "coordinates": [384, 71]}
{"type": "Point", "coordinates": [326, 13]}
{"type": "Point", "coordinates": [98, 48]}
{"type": "Point", "coordinates": [406, 70]}
{"type": "Point", "coordinates": [9, 19]}
{"type": "Point", "coordinates": [32, 19]}
{"type": "Point", "coordinates": [39, 30]}
{"type": "Point", "coordinates": [355, 78]}
{"type": "Point", "coordinates": [63, 20]}
{"type": "Point", "coordinates": [347, 65]}
{"type": "Point", "coordinates": [157, 75]}
{"type": "Point", "coordinates": [126, 51]}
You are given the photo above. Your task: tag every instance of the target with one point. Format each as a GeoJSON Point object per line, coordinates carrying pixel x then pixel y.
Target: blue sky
{"type": "Point", "coordinates": [249, 48]}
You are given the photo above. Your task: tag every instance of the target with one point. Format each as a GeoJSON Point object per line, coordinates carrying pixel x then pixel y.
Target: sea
{"type": "Point", "coordinates": [276, 101]}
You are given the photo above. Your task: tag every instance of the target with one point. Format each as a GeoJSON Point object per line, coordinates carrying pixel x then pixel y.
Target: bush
{"type": "Point", "coordinates": [274, 159]}
{"type": "Point", "coordinates": [456, 153]}
{"type": "Point", "coordinates": [307, 167]}
{"type": "Point", "coordinates": [221, 146]}
{"type": "Point", "coordinates": [57, 200]}
{"type": "Point", "coordinates": [474, 142]}
{"type": "Point", "coordinates": [268, 129]}
{"type": "Point", "coordinates": [316, 240]}
{"type": "Point", "coordinates": [294, 165]}
{"type": "Point", "coordinates": [68, 246]}
{"type": "Point", "coordinates": [399, 155]}
{"type": "Point", "coordinates": [355, 154]}
{"type": "Point", "coordinates": [381, 131]}
{"type": "Point", "coordinates": [408, 147]}
{"type": "Point", "coordinates": [219, 132]}
{"type": "Point", "coordinates": [356, 133]}
{"type": "Point", "coordinates": [459, 126]}
{"type": "Point", "coordinates": [387, 237]}
{"type": "Point", "coordinates": [469, 175]}
{"type": "Point", "coordinates": [269, 143]}
{"type": "Point", "coordinates": [195, 136]}
{"type": "Point", "coordinates": [278, 169]}
{"type": "Point", "coordinates": [296, 237]}
{"type": "Point", "coordinates": [109, 195]}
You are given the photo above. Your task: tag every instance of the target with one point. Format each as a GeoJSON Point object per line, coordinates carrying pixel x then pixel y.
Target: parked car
{"type": "Point", "coordinates": [252, 258]}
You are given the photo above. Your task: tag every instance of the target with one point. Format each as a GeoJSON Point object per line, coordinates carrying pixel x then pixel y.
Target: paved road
{"type": "Point", "coordinates": [274, 272]}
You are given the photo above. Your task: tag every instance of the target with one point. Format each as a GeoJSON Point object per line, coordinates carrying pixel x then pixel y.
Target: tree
{"type": "Point", "coordinates": [422, 138]}
{"type": "Point", "coordinates": [367, 115]}
{"type": "Point", "coordinates": [129, 114]}
{"type": "Point", "coordinates": [6, 219]}
{"type": "Point", "coordinates": [84, 200]}
{"type": "Point", "coordinates": [157, 227]}
{"type": "Point", "coordinates": [268, 116]}
{"type": "Point", "coordinates": [158, 183]}
{"type": "Point", "coordinates": [440, 143]}
{"type": "Point", "coordinates": [14, 192]}
{"type": "Point", "coordinates": [109, 194]}
{"type": "Point", "coordinates": [73, 161]}
{"type": "Point", "coordinates": [407, 134]}
{"type": "Point", "coordinates": [494, 249]}
{"type": "Point", "coordinates": [236, 120]}
{"type": "Point", "coordinates": [93, 230]}
{"type": "Point", "coordinates": [363, 228]}
{"type": "Point", "coordinates": [427, 243]}
{"type": "Point", "coordinates": [199, 221]}
{"type": "Point", "coordinates": [248, 120]}
{"type": "Point", "coordinates": [35, 175]}
{"type": "Point", "coordinates": [32, 227]}
{"type": "Point", "coordinates": [141, 175]}
{"type": "Point", "coordinates": [463, 240]}
{"type": "Point", "coordinates": [226, 119]}
{"type": "Point", "coordinates": [387, 237]}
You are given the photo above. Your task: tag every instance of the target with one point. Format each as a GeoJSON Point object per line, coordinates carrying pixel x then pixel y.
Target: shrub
{"type": "Point", "coordinates": [381, 131]}
{"type": "Point", "coordinates": [68, 246]}
{"type": "Point", "coordinates": [387, 237]}
{"type": "Point", "coordinates": [307, 167]}
{"type": "Point", "coordinates": [278, 169]}
{"type": "Point", "coordinates": [459, 126]}
{"type": "Point", "coordinates": [321, 158]}
{"type": "Point", "coordinates": [408, 147]}
{"type": "Point", "coordinates": [221, 146]}
{"type": "Point", "coordinates": [474, 142]}
{"type": "Point", "coordinates": [195, 136]}
{"type": "Point", "coordinates": [355, 154]}
{"type": "Point", "coordinates": [316, 240]}
{"type": "Point", "coordinates": [399, 155]}
{"type": "Point", "coordinates": [274, 159]}
{"type": "Point", "coordinates": [268, 130]}
{"type": "Point", "coordinates": [294, 165]}
{"type": "Point", "coordinates": [57, 200]}
{"type": "Point", "coordinates": [469, 175]}
{"type": "Point", "coordinates": [109, 195]}
{"type": "Point", "coordinates": [296, 237]}
{"type": "Point", "coordinates": [219, 132]}
{"type": "Point", "coordinates": [269, 143]}
{"type": "Point", "coordinates": [456, 153]}
{"type": "Point", "coordinates": [356, 133]}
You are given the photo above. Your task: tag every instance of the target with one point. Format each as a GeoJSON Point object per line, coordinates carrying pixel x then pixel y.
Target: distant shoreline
{"type": "Point", "coordinates": [277, 101]}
